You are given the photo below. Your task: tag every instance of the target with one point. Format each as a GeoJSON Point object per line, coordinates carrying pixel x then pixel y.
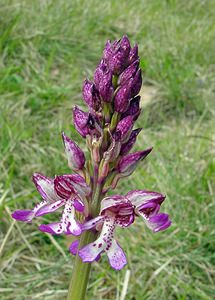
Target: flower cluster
{"type": "Point", "coordinates": [113, 107]}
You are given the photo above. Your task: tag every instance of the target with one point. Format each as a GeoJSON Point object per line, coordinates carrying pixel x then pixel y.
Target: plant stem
{"type": "Point", "coordinates": [81, 271]}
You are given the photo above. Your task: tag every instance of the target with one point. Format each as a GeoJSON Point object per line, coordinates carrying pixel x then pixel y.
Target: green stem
{"type": "Point", "coordinates": [81, 271]}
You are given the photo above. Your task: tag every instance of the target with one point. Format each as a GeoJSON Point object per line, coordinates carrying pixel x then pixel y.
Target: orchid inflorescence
{"type": "Point", "coordinates": [113, 107]}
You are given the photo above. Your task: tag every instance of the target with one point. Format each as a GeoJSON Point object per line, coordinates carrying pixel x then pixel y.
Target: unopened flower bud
{"type": "Point", "coordinates": [75, 155]}
{"type": "Point", "coordinates": [91, 95]}
{"type": "Point", "coordinates": [136, 83]}
{"type": "Point", "coordinates": [133, 109]}
{"type": "Point", "coordinates": [133, 55]}
{"type": "Point", "coordinates": [125, 148]}
{"type": "Point", "coordinates": [116, 55]}
{"type": "Point", "coordinates": [128, 163]}
{"type": "Point", "coordinates": [129, 72]}
{"type": "Point", "coordinates": [125, 127]}
{"type": "Point", "coordinates": [103, 82]}
{"type": "Point", "coordinates": [80, 121]}
{"type": "Point", "coordinates": [121, 99]}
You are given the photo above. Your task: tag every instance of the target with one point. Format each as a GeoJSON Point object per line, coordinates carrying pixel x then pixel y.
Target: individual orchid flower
{"type": "Point", "coordinates": [72, 188]}
{"type": "Point", "coordinates": [51, 201]}
{"type": "Point", "coordinates": [115, 211]}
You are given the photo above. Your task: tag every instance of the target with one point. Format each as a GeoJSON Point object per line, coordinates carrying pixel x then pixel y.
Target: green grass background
{"type": "Point", "coordinates": [47, 48]}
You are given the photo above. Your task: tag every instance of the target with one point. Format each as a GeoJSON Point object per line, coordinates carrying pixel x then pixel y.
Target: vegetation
{"type": "Point", "coordinates": [47, 49]}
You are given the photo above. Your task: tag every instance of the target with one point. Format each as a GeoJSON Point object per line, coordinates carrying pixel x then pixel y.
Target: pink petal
{"type": "Point", "coordinates": [116, 256]}
{"type": "Point", "coordinates": [49, 208]}
{"type": "Point", "coordinates": [23, 215]}
{"type": "Point", "coordinates": [52, 228]}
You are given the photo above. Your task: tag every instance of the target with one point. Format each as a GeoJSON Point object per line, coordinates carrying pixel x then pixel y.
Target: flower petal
{"type": "Point", "coordinates": [92, 223]}
{"type": "Point", "coordinates": [63, 187]}
{"type": "Point", "coordinates": [23, 215]}
{"type": "Point", "coordinates": [28, 215]}
{"type": "Point", "coordinates": [68, 219]}
{"type": "Point", "coordinates": [116, 256]}
{"type": "Point", "coordinates": [74, 228]}
{"type": "Point", "coordinates": [120, 208]}
{"type": "Point", "coordinates": [141, 197]}
{"type": "Point", "coordinates": [49, 208]}
{"type": "Point", "coordinates": [91, 251]}
{"type": "Point", "coordinates": [158, 222]}
{"type": "Point", "coordinates": [45, 187]}
{"type": "Point", "coordinates": [74, 247]}
{"type": "Point", "coordinates": [52, 228]}
{"type": "Point", "coordinates": [79, 184]}
{"type": "Point", "coordinates": [67, 225]}
{"type": "Point", "coordinates": [69, 185]}
{"type": "Point", "coordinates": [78, 205]}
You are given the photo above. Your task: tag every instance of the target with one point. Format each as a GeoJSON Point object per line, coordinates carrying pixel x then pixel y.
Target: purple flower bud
{"type": "Point", "coordinates": [80, 121]}
{"type": "Point", "coordinates": [128, 163]}
{"type": "Point", "coordinates": [133, 55]}
{"type": "Point", "coordinates": [125, 127]}
{"type": "Point", "coordinates": [116, 54]}
{"type": "Point", "coordinates": [125, 148]}
{"type": "Point", "coordinates": [136, 83]}
{"type": "Point", "coordinates": [75, 155]}
{"type": "Point", "coordinates": [121, 99]}
{"type": "Point", "coordinates": [133, 109]}
{"type": "Point", "coordinates": [91, 95]}
{"type": "Point", "coordinates": [103, 81]}
{"type": "Point", "coordinates": [129, 72]}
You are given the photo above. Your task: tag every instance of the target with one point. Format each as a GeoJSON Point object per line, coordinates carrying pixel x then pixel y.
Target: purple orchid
{"type": "Point", "coordinates": [115, 211]}
{"type": "Point", "coordinates": [113, 107]}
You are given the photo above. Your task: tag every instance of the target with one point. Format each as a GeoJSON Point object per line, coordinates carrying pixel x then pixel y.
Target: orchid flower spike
{"type": "Point", "coordinates": [108, 127]}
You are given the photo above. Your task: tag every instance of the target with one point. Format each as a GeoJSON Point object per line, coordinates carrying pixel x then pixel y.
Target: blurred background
{"type": "Point", "coordinates": [47, 49]}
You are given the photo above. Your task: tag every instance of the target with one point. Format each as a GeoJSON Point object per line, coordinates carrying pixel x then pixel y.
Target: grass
{"type": "Point", "coordinates": [47, 49]}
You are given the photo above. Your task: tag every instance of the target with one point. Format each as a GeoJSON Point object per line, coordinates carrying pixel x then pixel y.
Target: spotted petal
{"type": "Point", "coordinates": [28, 215]}
{"type": "Point", "coordinates": [67, 225]}
{"type": "Point", "coordinates": [91, 251]}
{"type": "Point", "coordinates": [116, 256]}
{"type": "Point", "coordinates": [49, 208]}
{"type": "Point", "coordinates": [92, 223]}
